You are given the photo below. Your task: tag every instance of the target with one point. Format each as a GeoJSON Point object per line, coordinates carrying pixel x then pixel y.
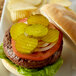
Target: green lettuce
{"type": "Point", "coordinates": [46, 71]}
{"type": "Point", "coordinates": [2, 54]}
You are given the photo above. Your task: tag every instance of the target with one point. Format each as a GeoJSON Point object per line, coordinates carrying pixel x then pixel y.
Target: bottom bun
{"type": "Point", "coordinates": [10, 67]}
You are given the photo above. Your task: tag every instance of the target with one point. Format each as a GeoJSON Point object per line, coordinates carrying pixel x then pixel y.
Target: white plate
{"type": "Point", "coordinates": [65, 70]}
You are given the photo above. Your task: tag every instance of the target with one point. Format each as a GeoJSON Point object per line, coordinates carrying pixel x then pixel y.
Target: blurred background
{"type": "Point", "coordinates": [1, 6]}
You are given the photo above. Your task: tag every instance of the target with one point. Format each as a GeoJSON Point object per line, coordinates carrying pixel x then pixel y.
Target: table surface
{"type": "Point", "coordinates": [1, 6]}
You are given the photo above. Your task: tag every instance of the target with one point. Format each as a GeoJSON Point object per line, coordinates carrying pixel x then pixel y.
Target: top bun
{"type": "Point", "coordinates": [65, 19]}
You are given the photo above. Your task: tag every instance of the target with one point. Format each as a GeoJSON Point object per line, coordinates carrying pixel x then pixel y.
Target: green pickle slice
{"type": "Point", "coordinates": [25, 44]}
{"type": "Point", "coordinates": [38, 19]}
{"type": "Point", "coordinates": [36, 30]}
{"type": "Point", "coordinates": [52, 36]}
{"type": "Point", "coordinates": [17, 29]}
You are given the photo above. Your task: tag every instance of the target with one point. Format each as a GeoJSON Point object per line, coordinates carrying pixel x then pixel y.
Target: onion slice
{"type": "Point", "coordinates": [46, 48]}
{"type": "Point", "coordinates": [43, 45]}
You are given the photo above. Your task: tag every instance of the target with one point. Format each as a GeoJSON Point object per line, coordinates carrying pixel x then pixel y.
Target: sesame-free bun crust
{"type": "Point", "coordinates": [10, 67]}
{"type": "Point", "coordinates": [64, 19]}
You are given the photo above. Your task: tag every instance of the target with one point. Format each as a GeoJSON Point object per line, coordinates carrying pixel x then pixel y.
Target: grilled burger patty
{"type": "Point", "coordinates": [26, 62]}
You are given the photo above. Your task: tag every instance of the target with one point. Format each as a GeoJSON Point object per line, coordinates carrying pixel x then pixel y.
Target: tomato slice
{"type": "Point", "coordinates": [37, 56]}
{"type": "Point", "coordinates": [23, 20]}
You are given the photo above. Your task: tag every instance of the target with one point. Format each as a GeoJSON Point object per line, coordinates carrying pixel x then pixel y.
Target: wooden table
{"type": "Point", "coordinates": [1, 6]}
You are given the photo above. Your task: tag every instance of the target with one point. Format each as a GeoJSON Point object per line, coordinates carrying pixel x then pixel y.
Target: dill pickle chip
{"type": "Point", "coordinates": [52, 36]}
{"type": "Point", "coordinates": [17, 29]}
{"type": "Point", "coordinates": [36, 30]}
{"type": "Point", "coordinates": [38, 19]}
{"type": "Point", "coordinates": [25, 44]}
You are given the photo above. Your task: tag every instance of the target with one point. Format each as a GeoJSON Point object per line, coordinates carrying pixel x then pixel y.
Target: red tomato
{"type": "Point", "coordinates": [37, 56]}
{"type": "Point", "coordinates": [23, 20]}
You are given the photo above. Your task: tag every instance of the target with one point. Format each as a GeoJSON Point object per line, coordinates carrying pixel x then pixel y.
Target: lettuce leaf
{"type": "Point", "coordinates": [2, 54]}
{"type": "Point", "coordinates": [46, 71]}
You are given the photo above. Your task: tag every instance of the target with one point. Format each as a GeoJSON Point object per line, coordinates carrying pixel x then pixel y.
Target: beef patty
{"type": "Point", "coordinates": [26, 62]}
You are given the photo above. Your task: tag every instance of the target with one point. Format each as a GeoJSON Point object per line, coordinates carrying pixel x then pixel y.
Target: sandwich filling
{"type": "Point", "coordinates": [33, 42]}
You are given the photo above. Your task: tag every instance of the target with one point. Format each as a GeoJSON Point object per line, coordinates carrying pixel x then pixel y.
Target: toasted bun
{"type": "Point", "coordinates": [10, 67]}
{"type": "Point", "coordinates": [64, 19]}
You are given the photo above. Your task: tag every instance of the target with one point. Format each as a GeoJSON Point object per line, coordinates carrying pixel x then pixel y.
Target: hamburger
{"type": "Point", "coordinates": [33, 46]}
